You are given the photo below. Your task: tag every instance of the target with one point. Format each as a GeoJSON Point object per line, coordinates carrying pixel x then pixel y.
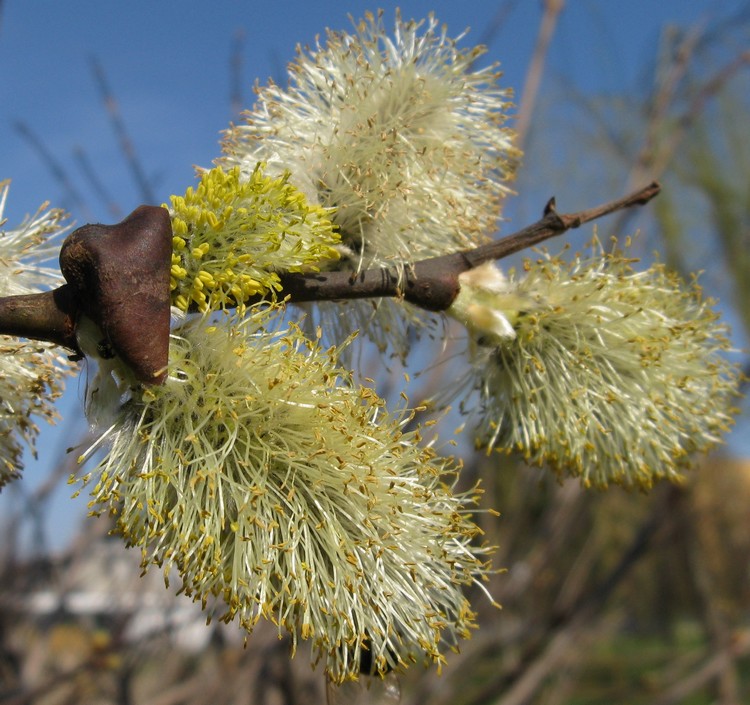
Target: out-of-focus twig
{"type": "Point", "coordinates": [126, 144]}
{"type": "Point", "coordinates": [498, 20]}
{"type": "Point", "coordinates": [552, 10]}
{"type": "Point", "coordinates": [54, 167]}
{"type": "Point", "coordinates": [711, 669]}
{"type": "Point", "coordinates": [662, 100]}
{"type": "Point", "coordinates": [532, 672]}
{"type": "Point", "coordinates": [695, 108]}
{"type": "Point", "coordinates": [658, 149]}
{"type": "Point", "coordinates": [96, 183]}
{"type": "Point", "coordinates": [236, 102]}
{"type": "Point", "coordinates": [705, 544]}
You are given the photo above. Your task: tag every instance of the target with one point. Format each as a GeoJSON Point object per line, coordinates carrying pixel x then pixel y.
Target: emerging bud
{"type": "Point", "coordinates": [233, 234]}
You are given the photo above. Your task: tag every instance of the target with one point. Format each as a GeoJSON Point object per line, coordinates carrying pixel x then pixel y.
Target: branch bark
{"type": "Point", "coordinates": [432, 284]}
{"type": "Point", "coordinates": [48, 316]}
{"type": "Point", "coordinates": [105, 284]}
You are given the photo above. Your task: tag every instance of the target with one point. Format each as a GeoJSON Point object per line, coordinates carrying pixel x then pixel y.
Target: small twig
{"type": "Point", "coordinates": [555, 224]}
{"type": "Point", "coordinates": [432, 284]}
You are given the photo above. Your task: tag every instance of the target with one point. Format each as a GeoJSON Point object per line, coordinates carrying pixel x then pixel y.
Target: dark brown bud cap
{"type": "Point", "coordinates": [120, 274]}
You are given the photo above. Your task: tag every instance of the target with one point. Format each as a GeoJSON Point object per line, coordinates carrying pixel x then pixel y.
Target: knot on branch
{"type": "Point", "coordinates": [120, 276]}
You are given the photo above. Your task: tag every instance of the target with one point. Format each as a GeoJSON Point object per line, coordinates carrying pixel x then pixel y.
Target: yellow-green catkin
{"type": "Point", "coordinates": [232, 236]}
{"type": "Point", "coordinates": [31, 372]}
{"type": "Point", "coordinates": [597, 370]}
{"type": "Point", "coordinates": [399, 131]}
{"type": "Point", "coordinates": [265, 476]}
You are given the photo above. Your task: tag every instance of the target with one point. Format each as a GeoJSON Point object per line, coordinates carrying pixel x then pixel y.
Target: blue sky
{"type": "Point", "coordinates": [168, 66]}
{"type": "Point", "coordinates": [167, 63]}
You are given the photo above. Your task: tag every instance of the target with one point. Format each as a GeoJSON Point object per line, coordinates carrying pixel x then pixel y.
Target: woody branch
{"type": "Point", "coordinates": [98, 262]}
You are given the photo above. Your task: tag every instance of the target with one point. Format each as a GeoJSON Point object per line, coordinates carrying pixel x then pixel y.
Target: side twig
{"type": "Point", "coordinates": [432, 284]}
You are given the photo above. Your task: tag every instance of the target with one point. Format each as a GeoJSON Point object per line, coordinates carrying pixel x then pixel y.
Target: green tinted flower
{"type": "Point", "coordinates": [268, 479]}
{"type": "Point", "coordinates": [232, 235]}
{"type": "Point", "coordinates": [30, 373]}
{"type": "Point", "coordinates": [598, 370]}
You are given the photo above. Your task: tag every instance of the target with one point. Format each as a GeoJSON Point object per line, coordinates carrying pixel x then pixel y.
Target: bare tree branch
{"type": "Point", "coordinates": [432, 284]}
{"type": "Point", "coordinates": [100, 263]}
{"type": "Point", "coordinates": [48, 316]}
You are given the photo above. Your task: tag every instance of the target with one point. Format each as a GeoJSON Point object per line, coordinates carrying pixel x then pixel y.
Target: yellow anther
{"type": "Point", "coordinates": [200, 251]}
{"type": "Point", "coordinates": [212, 220]}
